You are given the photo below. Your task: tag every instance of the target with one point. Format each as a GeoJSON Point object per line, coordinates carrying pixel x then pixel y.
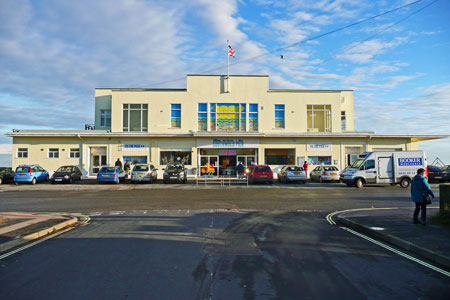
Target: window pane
{"type": "Point", "coordinates": [176, 106]}
{"type": "Point", "coordinates": [212, 121]}
{"type": "Point", "coordinates": [135, 106]}
{"type": "Point", "coordinates": [279, 156]}
{"type": "Point", "coordinates": [319, 121]}
{"type": "Point", "coordinates": [125, 119]}
{"type": "Point", "coordinates": [176, 114]}
{"type": "Point", "coordinates": [135, 120]}
{"type": "Point", "coordinates": [242, 107]}
{"type": "Point", "coordinates": [253, 122]}
{"type": "Point", "coordinates": [202, 107]}
{"type": "Point", "coordinates": [253, 107]}
{"type": "Point", "coordinates": [144, 120]}
{"type": "Point", "coordinates": [202, 121]}
{"type": "Point", "coordinates": [212, 107]}
{"type": "Point", "coordinates": [167, 157]}
{"type": "Point", "coordinates": [279, 106]}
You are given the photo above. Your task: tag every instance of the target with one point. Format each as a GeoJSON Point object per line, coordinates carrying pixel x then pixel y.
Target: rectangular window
{"type": "Point", "coordinates": [22, 152]}
{"type": "Point", "coordinates": [175, 116]}
{"type": "Point", "coordinates": [212, 116]}
{"type": "Point", "coordinates": [166, 157]}
{"type": "Point", "coordinates": [74, 152]}
{"type": "Point", "coordinates": [319, 118]}
{"type": "Point", "coordinates": [135, 117]}
{"type": "Point", "coordinates": [319, 160]}
{"type": "Point", "coordinates": [53, 152]}
{"type": "Point", "coordinates": [253, 117]}
{"type": "Point", "coordinates": [279, 115]}
{"type": "Point", "coordinates": [105, 117]}
{"type": "Point", "coordinates": [279, 156]}
{"type": "Point", "coordinates": [343, 121]}
{"type": "Point", "coordinates": [202, 117]}
{"type": "Point", "coordinates": [134, 160]}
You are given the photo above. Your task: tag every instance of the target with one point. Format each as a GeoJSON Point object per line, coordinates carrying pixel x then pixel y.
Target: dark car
{"type": "Point", "coordinates": [6, 175]}
{"type": "Point", "coordinates": [260, 173]}
{"type": "Point", "coordinates": [446, 169]}
{"type": "Point", "coordinates": [175, 172]}
{"type": "Point", "coordinates": [435, 174]}
{"type": "Point", "coordinates": [66, 174]}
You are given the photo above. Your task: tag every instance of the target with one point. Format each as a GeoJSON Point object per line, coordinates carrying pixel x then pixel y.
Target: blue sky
{"type": "Point", "coordinates": [54, 53]}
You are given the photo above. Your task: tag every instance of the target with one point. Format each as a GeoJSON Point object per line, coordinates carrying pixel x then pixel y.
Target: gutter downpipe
{"type": "Point", "coordinates": [81, 155]}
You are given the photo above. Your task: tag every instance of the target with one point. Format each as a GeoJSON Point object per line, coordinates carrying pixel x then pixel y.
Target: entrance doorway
{"type": "Point", "coordinates": [209, 165]}
{"type": "Point", "coordinates": [98, 159]}
{"type": "Point", "coordinates": [223, 161]}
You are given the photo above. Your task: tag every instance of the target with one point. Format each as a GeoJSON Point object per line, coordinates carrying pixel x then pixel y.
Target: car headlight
{"type": "Point", "coordinates": [165, 174]}
{"type": "Point", "coordinates": [66, 176]}
{"type": "Point", "coordinates": [181, 173]}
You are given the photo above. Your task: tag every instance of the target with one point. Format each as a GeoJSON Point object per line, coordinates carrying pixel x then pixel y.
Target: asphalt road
{"type": "Point", "coordinates": [214, 255]}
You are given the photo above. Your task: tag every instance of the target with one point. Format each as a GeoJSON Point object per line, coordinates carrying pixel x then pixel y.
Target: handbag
{"type": "Point", "coordinates": [427, 200]}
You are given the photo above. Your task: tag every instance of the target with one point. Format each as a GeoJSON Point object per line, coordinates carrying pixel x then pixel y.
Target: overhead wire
{"type": "Point", "coordinates": [297, 43]}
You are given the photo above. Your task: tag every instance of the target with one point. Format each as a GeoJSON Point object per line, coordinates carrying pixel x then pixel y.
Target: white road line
{"type": "Point", "coordinates": [416, 260]}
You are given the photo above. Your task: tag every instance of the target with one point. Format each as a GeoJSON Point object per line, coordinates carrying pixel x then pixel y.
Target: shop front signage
{"type": "Point", "coordinates": [227, 152]}
{"type": "Point", "coordinates": [318, 147]}
{"type": "Point", "coordinates": [134, 146]}
{"type": "Point", "coordinates": [227, 143]}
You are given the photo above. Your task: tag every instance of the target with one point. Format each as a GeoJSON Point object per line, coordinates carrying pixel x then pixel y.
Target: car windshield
{"type": "Point", "coordinates": [262, 169]}
{"type": "Point", "coordinates": [23, 169]}
{"type": "Point", "coordinates": [64, 169]}
{"type": "Point", "coordinates": [330, 168]}
{"type": "Point", "coordinates": [4, 170]}
{"type": "Point", "coordinates": [295, 169]}
{"type": "Point", "coordinates": [107, 170]}
{"type": "Point", "coordinates": [446, 168]}
{"type": "Point", "coordinates": [357, 163]}
{"type": "Point", "coordinates": [174, 167]}
{"type": "Point", "coordinates": [140, 168]}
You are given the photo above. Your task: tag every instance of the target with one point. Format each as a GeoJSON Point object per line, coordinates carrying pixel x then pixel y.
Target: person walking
{"type": "Point", "coordinates": [420, 189]}
{"type": "Point", "coordinates": [305, 167]}
{"type": "Point", "coordinates": [126, 167]}
{"type": "Point", "coordinates": [240, 169]}
{"type": "Point", "coordinates": [118, 163]}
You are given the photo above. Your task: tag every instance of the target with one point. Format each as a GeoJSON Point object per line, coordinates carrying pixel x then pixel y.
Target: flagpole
{"type": "Point", "coordinates": [228, 66]}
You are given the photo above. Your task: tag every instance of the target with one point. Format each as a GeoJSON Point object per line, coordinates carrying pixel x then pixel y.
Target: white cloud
{"type": "Point", "coordinates": [5, 148]}
{"type": "Point", "coordinates": [364, 52]}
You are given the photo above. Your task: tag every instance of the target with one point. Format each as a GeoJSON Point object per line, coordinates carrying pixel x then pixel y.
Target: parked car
{"type": "Point", "coordinates": [30, 174]}
{"type": "Point", "coordinates": [111, 174]}
{"type": "Point", "coordinates": [260, 173]}
{"type": "Point", "coordinates": [292, 173]}
{"type": "Point", "coordinates": [175, 172]}
{"type": "Point", "coordinates": [6, 175]}
{"type": "Point", "coordinates": [446, 169]}
{"type": "Point", "coordinates": [435, 174]}
{"type": "Point", "coordinates": [144, 173]}
{"type": "Point", "coordinates": [66, 174]}
{"type": "Point", "coordinates": [325, 173]}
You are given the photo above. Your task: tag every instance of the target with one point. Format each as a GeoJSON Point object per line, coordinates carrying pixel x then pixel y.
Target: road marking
{"type": "Point", "coordinates": [416, 260]}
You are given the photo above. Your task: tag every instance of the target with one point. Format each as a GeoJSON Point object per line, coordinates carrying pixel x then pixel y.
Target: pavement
{"type": "Point", "coordinates": [18, 228]}
{"type": "Point", "coordinates": [395, 226]}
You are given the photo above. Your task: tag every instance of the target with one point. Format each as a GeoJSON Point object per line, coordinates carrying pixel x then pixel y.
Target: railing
{"type": "Point", "coordinates": [89, 126]}
{"type": "Point", "coordinates": [221, 180]}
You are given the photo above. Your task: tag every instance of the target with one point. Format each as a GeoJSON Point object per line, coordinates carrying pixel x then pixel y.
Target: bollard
{"type": "Point", "coordinates": [444, 197]}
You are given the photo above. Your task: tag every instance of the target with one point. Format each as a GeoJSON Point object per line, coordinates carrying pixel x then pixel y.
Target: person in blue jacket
{"type": "Point", "coordinates": [420, 189]}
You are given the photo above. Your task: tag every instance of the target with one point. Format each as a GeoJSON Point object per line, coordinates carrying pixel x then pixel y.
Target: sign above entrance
{"type": "Point", "coordinates": [227, 152]}
{"type": "Point", "coordinates": [227, 143]}
{"type": "Point", "coordinates": [134, 146]}
{"type": "Point", "coordinates": [318, 147]}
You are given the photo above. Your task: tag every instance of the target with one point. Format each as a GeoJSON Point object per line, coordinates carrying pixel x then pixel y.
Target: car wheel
{"type": "Point", "coordinates": [304, 182]}
{"type": "Point", "coordinates": [16, 182]}
{"type": "Point", "coordinates": [117, 181]}
{"type": "Point", "coordinates": [320, 179]}
{"type": "Point", "coordinates": [33, 181]}
{"type": "Point", "coordinates": [405, 182]}
{"type": "Point", "coordinates": [359, 183]}
{"type": "Point", "coordinates": [165, 181]}
{"type": "Point", "coordinates": [52, 182]}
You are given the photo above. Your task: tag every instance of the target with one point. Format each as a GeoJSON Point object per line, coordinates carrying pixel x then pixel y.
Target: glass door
{"type": "Point", "coordinates": [98, 161]}
{"type": "Point", "coordinates": [247, 160]}
{"type": "Point", "coordinates": [209, 165]}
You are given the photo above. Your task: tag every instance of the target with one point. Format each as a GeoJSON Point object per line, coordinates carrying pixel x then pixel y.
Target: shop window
{"type": "Point", "coordinates": [22, 152]}
{"type": "Point", "coordinates": [202, 116]}
{"type": "Point", "coordinates": [319, 118]}
{"type": "Point", "coordinates": [74, 152]}
{"type": "Point", "coordinates": [253, 117]}
{"type": "Point", "coordinates": [166, 157]}
{"type": "Point", "coordinates": [343, 121]}
{"type": "Point", "coordinates": [175, 115]}
{"type": "Point", "coordinates": [135, 117]}
{"type": "Point", "coordinates": [279, 115]}
{"type": "Point", "coordinates": [319, 160]}
{"type": "Point", "coordinates": [105, 117]}
{"type": "Point", "coordinates": [134, 160]}
{"type": "Point", "coordinates": [279, 156]}
{"type": "Point", "coordinates": [53, 152]}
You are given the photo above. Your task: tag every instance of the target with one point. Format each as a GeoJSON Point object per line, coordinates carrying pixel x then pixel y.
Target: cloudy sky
{"type": "Point", "coordinates": [54, 53]}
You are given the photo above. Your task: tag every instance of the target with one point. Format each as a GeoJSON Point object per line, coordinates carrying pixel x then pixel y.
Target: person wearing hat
{"type": "Point", "coordinates": [420, 190]}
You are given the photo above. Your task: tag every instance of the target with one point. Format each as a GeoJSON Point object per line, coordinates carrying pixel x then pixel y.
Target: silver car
{"type": "Point", "coordinates": [144, 172]}
{"type": "Point", "coordinates": [325, 173]}
{"type": "Point", "coordinates": [292, 173]}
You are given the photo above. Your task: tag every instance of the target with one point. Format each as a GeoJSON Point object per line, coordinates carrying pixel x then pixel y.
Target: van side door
{"type": "Point", "coordinates": [370, 172]}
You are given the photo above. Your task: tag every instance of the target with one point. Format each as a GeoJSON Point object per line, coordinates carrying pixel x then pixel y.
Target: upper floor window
{"type": "Point", "coordinates": [253, 117]}
{"type": "Point", "coordinates": [53, 152]}
{"type": "Point", "coordinates": [202, 117]}
{"type": "Point", "coordinates": [22, 152]}
{"type": "Point", "coordinates": [319, 118]}
{"type": "Point", "coordinates": [228, 116]}
{"type": "Point", "coordinates": [105, 117]}
{"type": "Point", "coordinates": [343, 121]}
{"type": "Point", "coordinates": [135, 117]}
{"type": "Point", "coordinates": [279, 115]}
{"type": "Point", "coordinates": [74, 152]}
{"type": "Point", "coordinates": [175, 115]}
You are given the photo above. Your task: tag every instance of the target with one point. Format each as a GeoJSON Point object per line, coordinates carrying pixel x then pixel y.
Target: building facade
{"type": "Point", "coordinates": [204, 124]}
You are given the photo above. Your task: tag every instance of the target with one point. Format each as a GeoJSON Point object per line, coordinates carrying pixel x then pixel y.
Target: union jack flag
{"type": "Point", "coordinates": [230, 51]}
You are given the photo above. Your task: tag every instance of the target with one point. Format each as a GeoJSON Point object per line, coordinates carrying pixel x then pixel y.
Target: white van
{"type": "Point", "coordinates": [396, 167]}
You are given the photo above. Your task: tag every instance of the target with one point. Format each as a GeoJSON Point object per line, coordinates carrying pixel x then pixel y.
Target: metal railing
{"type": "Point", "coordinates": [223, 180]}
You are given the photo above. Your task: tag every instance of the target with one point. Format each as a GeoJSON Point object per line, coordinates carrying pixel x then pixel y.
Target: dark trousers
{"type": "Point", "coordinates": [420, 207]}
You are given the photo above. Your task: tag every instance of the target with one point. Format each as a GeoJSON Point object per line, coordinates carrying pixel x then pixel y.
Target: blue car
{"type": "Point", "coordinates": [111, 174]}
{"type": "Point", "coordinates": [30, 174]}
